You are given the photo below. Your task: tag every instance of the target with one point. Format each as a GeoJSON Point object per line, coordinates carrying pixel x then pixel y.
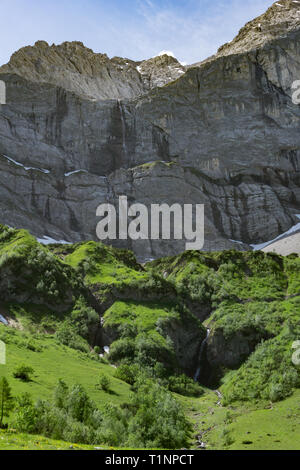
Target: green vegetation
{"type": "Point", "coordinates": [52, 361]}
{"type": "Point", "coordinates": [6, 400]}
{"type": "Point", "coordinates": [104, 383]}
{"type": "Point", "coordinates": [246, 426]}
{"type": "Point", "coordinates": [230, 275]}
{"type": "Point", "coordinates": [148, 333]}
{"type": "Point", "coordinates": [31, 273]}
{"type": "Point", "coordinates": [98, 263]}
{"type": "Point", "coordinates": [255, 303]}
{"type": "Point", "coordinates": [23, 373]}
{"type": "Point", "coordinates": [151, 419]}
{"type": "Point", "coordinates": [14, 440]}
{"type": "Point", "coordinates": [66, 303]}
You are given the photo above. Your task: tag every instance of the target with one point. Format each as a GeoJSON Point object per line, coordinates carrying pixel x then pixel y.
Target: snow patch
{"type": "Point", "coordinates": [27, 168]}
{"type": "Point", "coordinates": [236, 241]}
{"type": "Point", "coordinates": [75, 171]}
{"type": "Point", "coordinates": [292, 230]}
{"type": "Point", "coordinates": [49, 241]}
{"type": "Point", "coordinates": [169, 53]}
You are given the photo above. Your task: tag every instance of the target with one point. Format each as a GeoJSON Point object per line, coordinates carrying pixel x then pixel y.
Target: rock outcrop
{"type": "Point", "coordinates": [80, 129]}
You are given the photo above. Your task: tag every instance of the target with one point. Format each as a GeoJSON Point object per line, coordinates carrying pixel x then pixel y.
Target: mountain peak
{"type": "Point", "coordinates": [75, 67]}
{"type": "Point", "coordinates": [280, 19]}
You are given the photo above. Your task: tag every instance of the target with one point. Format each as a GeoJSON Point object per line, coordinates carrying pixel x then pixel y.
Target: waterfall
{"type": "Point", "coordinates": [122, 115]}
{"type": "Point", "coordinates": [198, 371]}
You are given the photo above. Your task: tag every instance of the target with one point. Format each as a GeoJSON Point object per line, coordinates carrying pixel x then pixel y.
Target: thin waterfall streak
{"type": "Point", "coordinates": [122, 116]}
{"type": "Point", "coordinates": [198, 371]}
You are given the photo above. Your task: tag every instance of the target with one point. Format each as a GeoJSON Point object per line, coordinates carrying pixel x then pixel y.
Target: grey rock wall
{"type": "Point", "coordinates": [224, 133]}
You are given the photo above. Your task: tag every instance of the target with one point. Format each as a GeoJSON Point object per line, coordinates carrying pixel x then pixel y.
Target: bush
{"type": "Point", "coordinates": [127, 373]}
{"type": "Point", "coordinates": [104, 383]}
{"type": "Point", "coordinates": [268, 374]}
{"type": "Point", "coordinates": [84, 319]}
{"type": "Point", "coordinates": [27, 416]}
{"type": "Point", "coordinates": [67, 335]}
{"type": "Point", "coordinates": [158, 421]}
{"type": "Point", "coordinates": [123, 348]}
{"type": "Point", "coordinates": [151, 419]}
{"type": "Point", "coordinates": [33, 346]}
{"type": "Point", "coordinates": [6, 400]}
{"type": "Point", "coordinates": [72, 416]}
{"type": "Point", "coordinates": [23, 373]}
{"type": "Point", "coordinates": [184, 385]}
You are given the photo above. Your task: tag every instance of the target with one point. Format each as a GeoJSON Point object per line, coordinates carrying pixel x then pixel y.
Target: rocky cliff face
{"type": "Point", "coordinates": [75, 68]}
{"type": "Point", "coordinates": [80, 129]}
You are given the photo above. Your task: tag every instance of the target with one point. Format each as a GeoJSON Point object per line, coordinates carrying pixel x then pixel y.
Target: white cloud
{"type": "Point", "coordinates": [200, 28]}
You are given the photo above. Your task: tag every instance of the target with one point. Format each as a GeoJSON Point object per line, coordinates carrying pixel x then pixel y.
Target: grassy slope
{"type": "Point", "coordinates": [218, 279]}
{"type": "Point", "coordinates": [10, 440]}
{"type": "Point", "coordinates": [54, 362]}
{"type": "Point", "coordinates": [276, 428]}
{"type": "Point", "coordinates": [245, 426]}
{"type": "Point", "coordinates": [101, 265]}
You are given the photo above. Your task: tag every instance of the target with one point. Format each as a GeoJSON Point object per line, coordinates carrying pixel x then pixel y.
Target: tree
{"type": "Point", "coordinates": [159, 421]}
{"type": "Point", "coordinates": [61, 395]}
{"type": "Point", "coordinates": [6, 400]}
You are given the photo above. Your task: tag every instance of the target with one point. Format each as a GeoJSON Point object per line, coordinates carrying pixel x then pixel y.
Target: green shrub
{"type": "Point", "coordinates": [104, 383]}
{"type": "Point", "coordinates": [67, 334]}
{"type": "Point", "coordinates": [184, 385]}
{"type": "Point", "coordinates": [268, 374]}
{"type": "Point", "coordinates": [26, 418]}
{"type": "Point", "coordinates": [158, 420]}
{"type": "Point", "coordinates": [127, 373]}
{"type": "Point", "coordinates": [6, 400]}
{"type": "Point", "coordinates": [151, 419]}
{"type": "Point", "coordinates": [123, 348]}
{"type": "Point", "coordinates": [23, 373]}
{"type": "Point", "coordinates": [84, 319]}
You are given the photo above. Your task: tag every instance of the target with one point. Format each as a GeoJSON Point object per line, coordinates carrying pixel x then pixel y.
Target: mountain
{"type": "Point", "coordinates": [75, 68]}
{"type": "Point", "coordinates": [80, 129]}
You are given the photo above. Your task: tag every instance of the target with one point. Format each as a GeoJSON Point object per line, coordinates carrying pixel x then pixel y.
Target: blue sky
{"type": "Point", "coordinates": [137, 29]}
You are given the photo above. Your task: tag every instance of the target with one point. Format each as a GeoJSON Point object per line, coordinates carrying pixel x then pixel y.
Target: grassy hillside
{"type": "Point", "coordinates": [245, 426]}
{"type": "Point", "coordinates": [65, 304]}
{"type": "Point", "coordinates": [51, 361]}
